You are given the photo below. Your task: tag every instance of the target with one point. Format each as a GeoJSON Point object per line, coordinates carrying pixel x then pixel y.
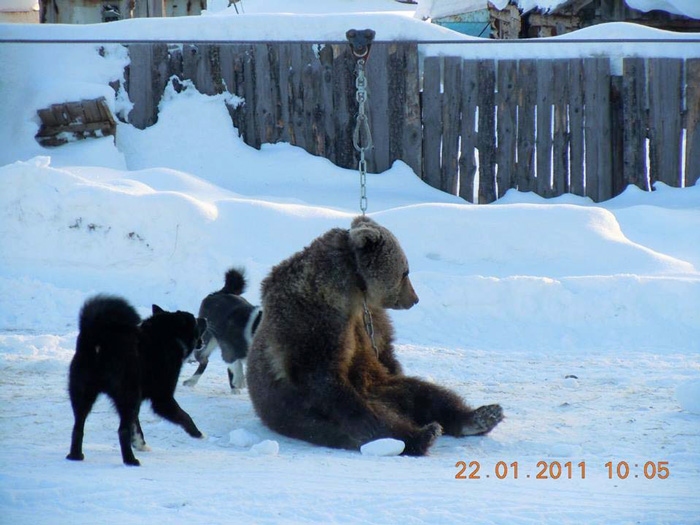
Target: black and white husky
{"type": "Point", "coordinates": [231, 324]}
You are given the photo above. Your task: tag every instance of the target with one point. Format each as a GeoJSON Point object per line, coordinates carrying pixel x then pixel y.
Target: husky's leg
{"type": "Point", "coordinates": [203, 358]}
{"type": "Point", "coordinates": [236, 376]}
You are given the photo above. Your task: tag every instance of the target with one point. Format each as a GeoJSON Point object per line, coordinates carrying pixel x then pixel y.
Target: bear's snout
{"type": "Point", "coordinates": [408, 297]}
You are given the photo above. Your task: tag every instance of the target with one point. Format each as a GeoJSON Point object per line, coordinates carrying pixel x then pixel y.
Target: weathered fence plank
{"type": "Point", "coordinates": [284, 123]}
{"type": "Point", "coordinates": [451, 99]}
{"type": "Point", "coordinates": [310, 82]}
{"type": "Point", "coordinates": [377, 86]}
{"type": "Point", "coordinates": [148, 74]}
{"type": "Point", "coordinates": [486, 138]}
{"type": "Point", "coordinates": [251, 134]}
{"type": "Point", "coordinates": [545, 99]}
{"type": "Point", "coordinates": [665, 120]}
{"type": "Point", "coordinates": [576, 127]}
{"type": "Point", "coordinates": [344, 105]}
{"type": "Point", "coordinates": [616, 135]}
{"type": "Point", "coordinates": [467, 159]}
{"type": "Point", "coordinates": [527, 99]}
{"type": "Point", "coordinates": [507, 121]}
{"type": "Point", "coordinates": [692, 104]}
{"type": "Point", "coordinates": [432, 121]}
{"type": "Point", "coordinates": [412, 140]}
{"type": "Point", "coordinates": [560, 138]}
{"type": "Point", "coordinates": [597, 128]}
{"type": "Point", "coordinates": [397, 100]}
{"type": "Point", "coordinates": [264, 93]}
{"type": "Point", "coordinates": [634, 150]}
{"type": "Point", "coordinates": [325, 57]}
{"type": "Point", "coordinates": [297, 65]}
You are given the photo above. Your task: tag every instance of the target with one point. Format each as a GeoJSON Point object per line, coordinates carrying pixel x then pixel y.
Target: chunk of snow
{"type": "Point", "coordinates": [383, 447]}
{"type": "Point", "coordinates": [243, 438]}
{"type": "Point", "coordinates": [570, 382]}
{"type": "Point", "coordinates": [266, 448]}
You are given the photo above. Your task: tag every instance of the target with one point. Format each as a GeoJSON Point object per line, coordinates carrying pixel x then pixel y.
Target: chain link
{"type": "Point", "coordinates": [362, 136]}
{"type": "Point", "coordinates": [369, 326]}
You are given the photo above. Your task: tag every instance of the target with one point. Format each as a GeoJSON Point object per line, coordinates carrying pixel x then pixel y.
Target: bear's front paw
{"type": "Point", "coordinates": [423, 440]}
{"type": "Point", "coordinates": [483, 420]}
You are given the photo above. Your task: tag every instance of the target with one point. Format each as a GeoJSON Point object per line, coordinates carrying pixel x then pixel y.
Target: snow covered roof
{"type": "Point", "coordinates": [689, 8]}
{"type": "Point", "coordinates": [440, 8]}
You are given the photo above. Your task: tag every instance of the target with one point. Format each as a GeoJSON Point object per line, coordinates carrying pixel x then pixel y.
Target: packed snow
{"type": "Point", "coordinates": [383, 447]}
{"type": "Point", "coordinates": [582, 320]}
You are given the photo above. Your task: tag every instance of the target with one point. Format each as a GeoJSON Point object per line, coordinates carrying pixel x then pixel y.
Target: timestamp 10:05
{"type": "Point", "coordinates": [559, 470]}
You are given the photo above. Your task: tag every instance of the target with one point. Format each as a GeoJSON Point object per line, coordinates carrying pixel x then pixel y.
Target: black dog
{"type": "Point", "coordinates": [129, 360]}
{"type": "Point", "coordinates": [231, 324]}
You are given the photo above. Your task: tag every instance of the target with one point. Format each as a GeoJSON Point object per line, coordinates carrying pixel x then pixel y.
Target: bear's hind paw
{"type": "Point", "coordinates": [483, 420]}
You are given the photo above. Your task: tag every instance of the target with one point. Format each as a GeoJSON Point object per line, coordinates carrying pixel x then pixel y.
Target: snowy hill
{"type": "Point", "coordinates": [581, 319]}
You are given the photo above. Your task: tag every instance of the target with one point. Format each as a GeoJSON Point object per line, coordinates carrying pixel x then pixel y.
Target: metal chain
{"type": "Point", "coordinates": [362, 136]}
{"type": "Point", "coordinates": [369, 325]}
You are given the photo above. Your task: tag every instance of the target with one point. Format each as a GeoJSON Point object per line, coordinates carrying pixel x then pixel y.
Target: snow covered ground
{"type": "Point", "coordinates": [582, 320]}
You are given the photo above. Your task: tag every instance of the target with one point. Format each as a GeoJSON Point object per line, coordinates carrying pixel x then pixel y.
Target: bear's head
{"type": "Point", "coordinates": [382, 265]}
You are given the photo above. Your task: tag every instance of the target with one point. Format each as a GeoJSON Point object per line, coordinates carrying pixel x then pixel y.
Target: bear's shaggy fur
{"type": "Point", "coordinates": [314, 372]}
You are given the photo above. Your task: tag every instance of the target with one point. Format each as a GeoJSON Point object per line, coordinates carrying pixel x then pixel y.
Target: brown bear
{"type": "Point", "coordinates": [322, 366]}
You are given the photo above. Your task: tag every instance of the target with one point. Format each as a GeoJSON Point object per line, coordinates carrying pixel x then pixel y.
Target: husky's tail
{"type": "Point", "coordinates": [102, 315]}
{"type": "Point", "coordinates": [234, 281]}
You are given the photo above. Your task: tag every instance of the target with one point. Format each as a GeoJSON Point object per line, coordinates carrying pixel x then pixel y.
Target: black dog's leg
{"type": "Point", "coordinates": [170, 410]}
{"type": "Point", "coordinates": [137, 439]}
{"type": "Point", "coordinates": [82, 404]}
{"type": "Point", "coordinates": [128, 415]}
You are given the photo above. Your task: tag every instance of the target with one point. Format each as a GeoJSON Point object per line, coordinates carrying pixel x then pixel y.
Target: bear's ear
{"type": "Point", "coordinates": [364, 237]}
{"type": "Point", "coordinates": [157, 309]}
{"type": "Point", "coordinates": [362, 220]}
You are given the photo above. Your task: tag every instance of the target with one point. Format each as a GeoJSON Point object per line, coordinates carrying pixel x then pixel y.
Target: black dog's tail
{"type": "Point", "coordinates": [103, 313]}
{"type": "Point", "coordinates": [234, 281]}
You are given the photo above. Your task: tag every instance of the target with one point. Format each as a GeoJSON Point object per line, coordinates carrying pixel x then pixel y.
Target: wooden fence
{"type": "Point", "coordinates": [476, 128]}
